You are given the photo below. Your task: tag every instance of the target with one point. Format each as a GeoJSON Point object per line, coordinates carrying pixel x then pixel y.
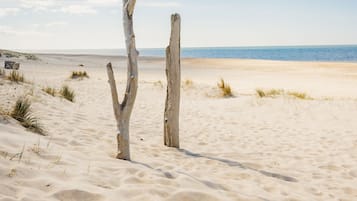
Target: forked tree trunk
{"type": "Point", "coordinates": [123, 110]}
{"type": "Point", "coordinates": [173, 73]}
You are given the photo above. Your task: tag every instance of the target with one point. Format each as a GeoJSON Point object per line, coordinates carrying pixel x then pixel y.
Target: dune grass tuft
{"type": "Point", "coordinates": [280, 92]}
{"type": "Point", "coordinates": [225, 88]}
{"type": "Point", "coordinates": [159, 84]}
{"type": "Point", "coordinates": [49, 90]}
{"type": "Point", "coordinates": [299, 95]}
{"type": "Point", "coordinates": [15, 76]}
{"type": "Point", "coordinates": [67, 93]}
{"type": "Point", "coordinates": [269, 93]}
{"type": "Point", "coordinates": [188, 82]}
{"type": "Point", "coordinates": [22, 113]}
{"type": "Point", "coordinates": [31, 57]}
{"type": "Point", "coordinates": [2, 72]}
{"type": "Point", "coordinates": [79, 74]}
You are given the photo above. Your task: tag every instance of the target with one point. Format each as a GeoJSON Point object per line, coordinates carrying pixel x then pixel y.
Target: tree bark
{"type": "Point", "coordinates": [173, 73]}
{"type": "Point", "coordinates": [122, 111]}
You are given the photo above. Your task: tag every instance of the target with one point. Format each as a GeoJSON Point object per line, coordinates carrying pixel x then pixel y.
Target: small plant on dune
{"type": "Point", "coordinates": [187, 83]}
{"type": "Point", "coordinates": [269, 93]}
{"type": "Point", "coordinates": [22, 113]}
{"type": "Point", "coordinates": [67, 93]}
{"type": "Point", "coordinates": [260, 93]}
{"type": "Point", "coordinates": [11, 54]}
{"type": "Point", "coordinates": [79, 74]}
{"type": "Point", "coordinates": [299, 95]}
{"type": "Point", "coordinates": [2, 72]}
{"type": "Point", "coordinates": [15, 76]}
{"type": "Point", "coordinates": [159, 84]}
{"type": "Point", "coordinates": [49, 90]}
{"type": "Point", "coordinates": [31, 57]}
{"type": "Point", "coordinates": [279, 92]}
{"type": "Point", "coordinates": [225, 89]}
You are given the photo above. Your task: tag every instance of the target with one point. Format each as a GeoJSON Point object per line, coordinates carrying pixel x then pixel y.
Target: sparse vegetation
{"type": "Point", "coordinates": [2, 72]}
{"type": "Point", "coordinates": [49, 90]}
{"type": "Point", "coordinates": [269, 93]}
{"type": "Point", "coordinates": [67, 93]}
{"type": "Point", "coordinates": [12, 173]}
{"type": "Point", "coordinates": [298, 95]}
{"type": "Point", "coordinates": [159, 84]}
{"type": "Point", "coordinates": [280, 92]}
{"type": "Point", "coordinates": [31, 57]}
{"type": "Point", "coordinates": [22, 113]}
{"type": "Point", "coordinates": [15, 76]}
{"type": "Point", "coordinates": [188, 82]}
{"type": "Point", "coordinates": [225, 89]}
{"type": "Point", "coordinates": [13, 54]}
{"type": "Point", "coordinates": [79, 74]}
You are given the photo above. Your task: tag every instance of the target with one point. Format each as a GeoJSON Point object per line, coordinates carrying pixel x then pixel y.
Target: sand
{"type": "Point", "coordinates": [241, 148]}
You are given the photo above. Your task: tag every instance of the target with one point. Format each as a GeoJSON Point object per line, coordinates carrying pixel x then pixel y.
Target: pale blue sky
{"type": "Point", "coordinates": [82, 24]}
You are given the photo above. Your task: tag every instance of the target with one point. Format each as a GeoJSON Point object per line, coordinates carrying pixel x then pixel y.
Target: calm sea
{"type": "Point", "coordinates": [344, 53]}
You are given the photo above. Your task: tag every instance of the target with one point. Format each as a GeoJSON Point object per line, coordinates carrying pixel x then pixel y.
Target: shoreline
{"type": "Point", "coordinates": [159, 58]}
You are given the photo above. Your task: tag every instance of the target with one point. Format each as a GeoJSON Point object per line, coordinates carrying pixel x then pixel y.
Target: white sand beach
{"type": "Point", "coordinates": [240, 148]}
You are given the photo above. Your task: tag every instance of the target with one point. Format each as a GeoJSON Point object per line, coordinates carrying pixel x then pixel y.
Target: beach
{"type": "Point", "coordinates": [241, 148]}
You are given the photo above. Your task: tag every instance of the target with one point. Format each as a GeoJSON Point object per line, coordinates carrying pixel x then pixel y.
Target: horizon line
{"type": "Point", "coordinates": [196, 47]}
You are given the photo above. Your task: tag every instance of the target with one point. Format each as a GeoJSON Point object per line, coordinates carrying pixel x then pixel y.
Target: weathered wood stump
{"type": "Point", "coordinates": [173, 73]}
{"type": "Point", "coordinates": [11, 65]}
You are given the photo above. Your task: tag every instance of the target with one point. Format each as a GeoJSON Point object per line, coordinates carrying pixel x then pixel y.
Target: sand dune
{"type": "Point", "coordinates": [242, 148]}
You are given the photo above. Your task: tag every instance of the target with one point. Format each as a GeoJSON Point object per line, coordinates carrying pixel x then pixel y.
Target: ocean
{"type": "Point", "coordinates": [341, 53]}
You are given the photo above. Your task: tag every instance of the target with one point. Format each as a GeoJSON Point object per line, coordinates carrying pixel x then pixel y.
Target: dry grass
{"type": "Point", "coordinates": [22, 113]}
{"type": "Point", "coordinates": [225, 89]}
{"type": "Point", "coordinates": [2, 72]}
{"type": "Point", "coordinates": [31, 57]}
{"type": "Point", "coordinates": [188, 82]}
{"type": "Point", "coordinates": [299, 95]}
{"type": "Point", "coordinates": [280, 92]}
{"type": "Point", "coordinates": [159, 84]}
{"type": "Point", "coordinates": [49, 90]}
{"type": "Point", "coordinates": [67, 93]}
{"type": "Point", "coordinates": [12, 173]}
{"type": "Point", "coordinates": [15, 76]}
{"type": "Point", "coordinates": [13, 54]}
{"type": "Point", "coordinates": [79, 74]}
{"type": "Point", "coordinates": [269, 93]}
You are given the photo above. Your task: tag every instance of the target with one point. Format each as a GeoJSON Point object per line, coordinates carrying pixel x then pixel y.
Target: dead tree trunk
{"type": "Point", "coordinates": [173, 73]}
{"type": "Point", "coordinates": [122, 111]}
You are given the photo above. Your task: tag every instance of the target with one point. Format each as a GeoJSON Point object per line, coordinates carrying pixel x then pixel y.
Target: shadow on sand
{"type": "Point", "coordinates": [240, 165]}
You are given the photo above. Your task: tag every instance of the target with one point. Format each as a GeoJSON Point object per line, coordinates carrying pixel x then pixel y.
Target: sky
{"type": "Point", "coordinates": [97, 24]}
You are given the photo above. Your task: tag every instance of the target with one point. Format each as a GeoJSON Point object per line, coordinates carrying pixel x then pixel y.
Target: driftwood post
{"type": "Point", "coordinates": [122, 111]}
{"type": "Point", "coordinates": [173, 73]}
